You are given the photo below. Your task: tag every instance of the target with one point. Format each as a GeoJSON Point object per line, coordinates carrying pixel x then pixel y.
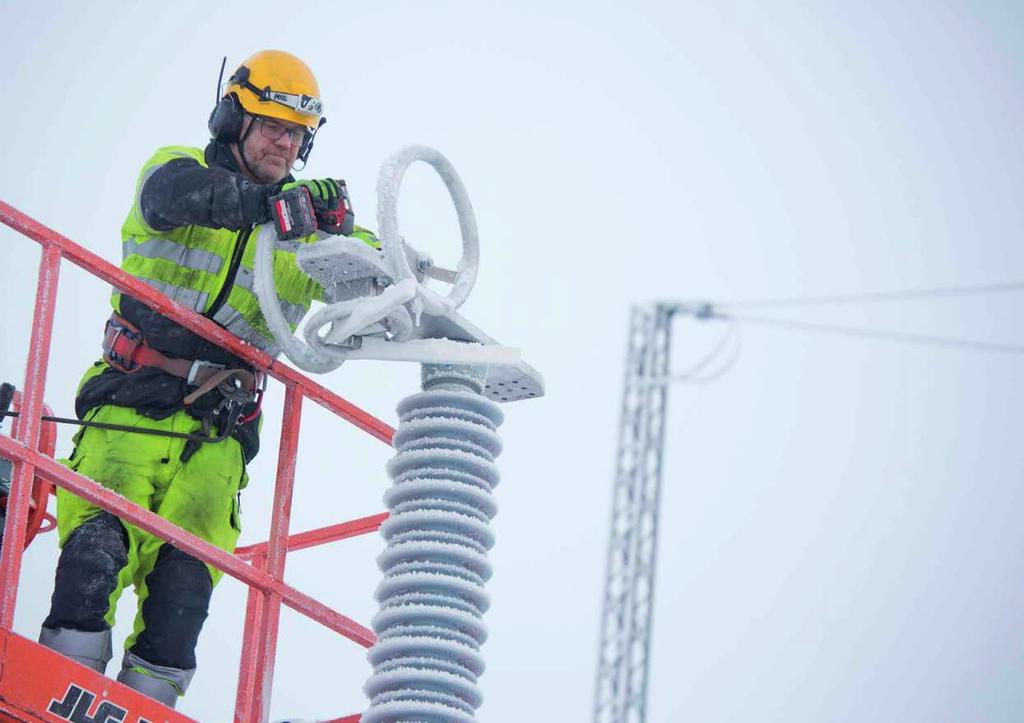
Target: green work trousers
{"type": "Point", "coordinates": [200, 496]}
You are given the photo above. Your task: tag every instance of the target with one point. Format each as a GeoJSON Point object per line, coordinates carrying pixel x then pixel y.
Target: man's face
{"type": "Point", "coordinates": [268, 158]}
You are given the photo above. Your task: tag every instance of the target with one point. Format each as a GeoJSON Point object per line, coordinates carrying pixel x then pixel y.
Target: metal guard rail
{"type": "Point", "coordinates": [267, 590]}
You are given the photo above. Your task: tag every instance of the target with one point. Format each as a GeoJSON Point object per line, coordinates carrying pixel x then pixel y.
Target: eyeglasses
{"type": "Point", "coordinates": [273, 130]}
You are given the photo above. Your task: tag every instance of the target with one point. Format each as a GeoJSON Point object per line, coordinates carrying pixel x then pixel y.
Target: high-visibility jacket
{"type": "Point", "coordinates": [211, 270]}
{"type": "Point", "coordinates": [189, 235]}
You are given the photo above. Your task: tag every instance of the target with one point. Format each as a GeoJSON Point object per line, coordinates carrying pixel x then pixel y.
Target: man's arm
{"type": "Point", "coordinates": [182, 192]}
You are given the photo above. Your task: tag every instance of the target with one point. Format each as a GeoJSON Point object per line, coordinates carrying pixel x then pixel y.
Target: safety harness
{"type": "Point", "coordinates": [126, 350]}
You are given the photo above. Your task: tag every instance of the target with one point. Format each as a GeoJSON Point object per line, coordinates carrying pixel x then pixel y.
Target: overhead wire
{"type": "Point", "coordinates": [721, 311]}
{"type": "Point", "coordinates": [874, 297]}
{"type": "Point", "coordinates": [693, 375]}
{"type": "Point", "coordinates": [728, 364]}
{"type": "Point", "coordinates": [899, 336]}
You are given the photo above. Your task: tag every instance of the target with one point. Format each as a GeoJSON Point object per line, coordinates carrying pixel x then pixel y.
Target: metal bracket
{"type": "Point", "coordinates": [378, 305]}
{"type": "Point", "coordinates": [348, 269]}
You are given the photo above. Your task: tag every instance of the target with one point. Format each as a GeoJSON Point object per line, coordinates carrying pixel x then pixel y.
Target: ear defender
{"type": "Point", "coordinates": [295, 101]}
{"type": "Point", "coordinates": [226, 119]}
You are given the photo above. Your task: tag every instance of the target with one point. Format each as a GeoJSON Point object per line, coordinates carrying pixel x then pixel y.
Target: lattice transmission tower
{"type": "Point", "coordinates": [623, 658]}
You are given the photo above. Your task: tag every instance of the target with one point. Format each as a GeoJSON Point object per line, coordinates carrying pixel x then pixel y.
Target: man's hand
{"type": "Point", "coordinates": [292, 213]}
{"type": "Point", "coordinates": [367, 236]}
{"type": "Point", "coordinates": [330, 203]}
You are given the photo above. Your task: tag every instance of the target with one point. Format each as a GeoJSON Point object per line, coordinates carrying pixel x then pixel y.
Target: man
{"type": "Point", "coordinates": [188, 235]}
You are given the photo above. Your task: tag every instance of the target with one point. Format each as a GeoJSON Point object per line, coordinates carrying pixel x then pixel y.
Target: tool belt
{"type": "Point", "coordinates": [125, 349]}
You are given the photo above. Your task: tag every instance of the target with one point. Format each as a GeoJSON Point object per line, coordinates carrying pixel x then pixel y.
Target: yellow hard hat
{"type": "Point", "coordinates": [277, 84]}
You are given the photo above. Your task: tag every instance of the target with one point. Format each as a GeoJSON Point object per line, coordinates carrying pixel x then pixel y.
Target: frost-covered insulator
{"type": "Point", "coordinates": [430, 627]}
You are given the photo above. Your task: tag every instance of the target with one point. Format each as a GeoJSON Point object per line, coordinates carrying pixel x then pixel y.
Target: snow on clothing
{"type": "Point", "coordinates": [188, 236]}
{"type": "Point", "coordinates": [173, 588]}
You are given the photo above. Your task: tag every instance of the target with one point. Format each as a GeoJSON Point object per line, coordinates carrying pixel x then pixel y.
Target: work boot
{"type": "Point", "coordinates": [91, 649]}
{"type": "Point", "coordinates": [159, 682]}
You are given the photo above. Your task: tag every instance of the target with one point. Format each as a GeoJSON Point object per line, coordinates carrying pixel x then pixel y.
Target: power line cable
{"type": "Point", "coordinates": [697, 373]}
{"type": "Point", "coordinates": [905, 337]}
{"type": "Point", "coordinates": [722, 369]}
{"type": "Point", "coordinates": [874, 297]}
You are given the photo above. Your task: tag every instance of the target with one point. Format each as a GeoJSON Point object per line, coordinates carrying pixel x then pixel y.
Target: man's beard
{"type": "Point", "coordinates": [267, 171]}
{"type": "Point", "coordinates": [261, 170]}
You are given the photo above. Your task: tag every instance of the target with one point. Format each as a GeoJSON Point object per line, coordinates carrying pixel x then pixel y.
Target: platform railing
{"type": "Point", "coordinates": [265, 574]}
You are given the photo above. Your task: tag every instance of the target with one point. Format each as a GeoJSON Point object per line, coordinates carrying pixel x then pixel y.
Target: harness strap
{"type": "Point", "coordinates": [227, 381]}
{"type": "Point", "coordinates": [125, 349]}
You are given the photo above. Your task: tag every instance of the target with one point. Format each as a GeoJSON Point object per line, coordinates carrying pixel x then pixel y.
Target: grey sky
{"type": "Point", "coordinates": [840, 535]}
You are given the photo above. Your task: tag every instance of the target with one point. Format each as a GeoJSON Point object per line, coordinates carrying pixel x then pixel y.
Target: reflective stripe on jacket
{"type": "Point", "coordinates": [202, 268]}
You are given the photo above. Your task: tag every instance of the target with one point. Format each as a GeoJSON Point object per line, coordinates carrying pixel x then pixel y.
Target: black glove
{"type": "Point", "coordinates": [292, 212]}
{"type": "Point", "coordinates": [330, 203]}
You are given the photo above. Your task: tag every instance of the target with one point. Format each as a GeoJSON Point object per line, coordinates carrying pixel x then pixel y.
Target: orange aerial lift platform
{"type": "Point", "coordinates": [426, 638]}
